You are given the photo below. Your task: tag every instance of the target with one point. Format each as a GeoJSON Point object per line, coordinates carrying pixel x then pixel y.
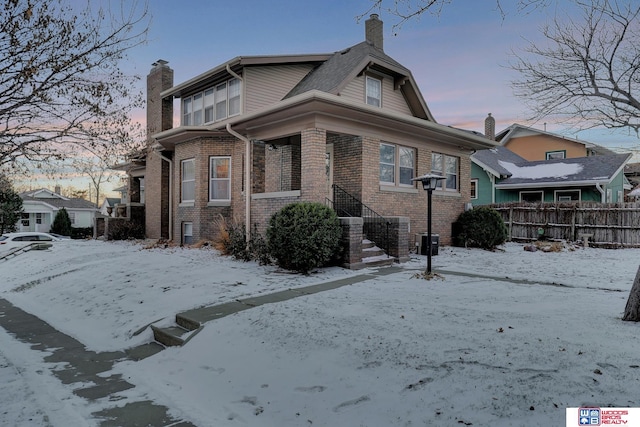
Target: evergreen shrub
{"type": "Point", "coordinates": [304, 235]}
{"type": "Point", "coordinates": [481, 227]}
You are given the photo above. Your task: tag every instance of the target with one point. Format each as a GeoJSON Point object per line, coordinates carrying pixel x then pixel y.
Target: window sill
{"type": "Point", "coordinates": [187, 204]}
{"type": "Point", "coordinates": [276, 195]}
{"type": "Point", "coordinates": [394, 189]}
{"type": "Point", "coordinates": [214, 203]}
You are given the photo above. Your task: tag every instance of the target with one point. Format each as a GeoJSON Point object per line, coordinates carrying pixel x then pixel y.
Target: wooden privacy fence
{"type": "Point", "coordinates": [613, 225]}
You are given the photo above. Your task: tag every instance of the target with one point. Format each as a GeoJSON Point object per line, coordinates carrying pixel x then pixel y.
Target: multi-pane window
{"type": "Point", "coordinates": [38, 218]}
{"type": "Point", "coordinates": [220, 178]}
{"type": "Point", "coordinates": [188, 193]}
{"type": "Point", "coordinates": [213, 104]}
{"type": "Point", "coordinates": [446, 166]}
{"type": "Point", "coordinates": [397, 165]}
{"type": "Point", "coordinates": [474, 189]}
{"type": "Point", "coordinates": [24, 219]}
{"type": "Point", "coordinates": [374, 91]}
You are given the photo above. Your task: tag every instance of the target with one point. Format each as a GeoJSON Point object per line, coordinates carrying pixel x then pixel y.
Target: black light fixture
{"type": "Point", "coordinates": [429, 183]}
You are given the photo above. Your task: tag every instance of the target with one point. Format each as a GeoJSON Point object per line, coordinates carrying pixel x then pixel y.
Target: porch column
{"type": "Point", "coordinates": [313, 179]}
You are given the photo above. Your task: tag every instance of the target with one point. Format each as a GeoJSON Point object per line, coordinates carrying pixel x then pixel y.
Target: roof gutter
{"type": "Point", "coordinates": [247, 180]}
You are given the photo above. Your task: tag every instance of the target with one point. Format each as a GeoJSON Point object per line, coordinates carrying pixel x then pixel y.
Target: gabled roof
{"type": "Point", "coordinates": [342, 67]}
{"type": "Point", "coordinates": [490, 160]}
{"type": "Point", "coordinates": [576, 171]}
{"type": "Point", "coordinates": [58, 203]}
{"type": "Point", "coordinates": [43, 193]}
{"type": "Point", "coordinates": [517, 130]}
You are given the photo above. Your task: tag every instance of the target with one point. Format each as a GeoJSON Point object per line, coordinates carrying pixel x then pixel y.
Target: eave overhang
{"type": "Point", "coordinates": [325, 104]}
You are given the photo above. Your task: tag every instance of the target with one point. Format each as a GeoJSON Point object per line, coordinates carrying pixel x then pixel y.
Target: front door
{"type": "Point", "coordinates": [329, 171]}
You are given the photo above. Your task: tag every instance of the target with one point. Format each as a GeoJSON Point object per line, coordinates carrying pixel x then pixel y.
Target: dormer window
{"type": "Point", "coordinates": [374, 91]}
{"type": "Point", "coordinates": [213, 104]}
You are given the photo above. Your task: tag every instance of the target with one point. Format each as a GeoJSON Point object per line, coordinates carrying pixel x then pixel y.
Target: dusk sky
{"type": "Point", "coordinates": [459, 59]}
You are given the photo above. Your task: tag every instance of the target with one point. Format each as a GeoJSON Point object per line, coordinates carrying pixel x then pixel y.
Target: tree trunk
{"type": "Point", "coordinates": [632, 310]}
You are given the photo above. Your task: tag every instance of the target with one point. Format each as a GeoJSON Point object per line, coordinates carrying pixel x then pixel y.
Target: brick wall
{"type": "Point", "coordinates": [347, 162]}
{"type": "Point", "coordinates": [201, 212]}
{"type": "Point", "coordinates": [313, 179]}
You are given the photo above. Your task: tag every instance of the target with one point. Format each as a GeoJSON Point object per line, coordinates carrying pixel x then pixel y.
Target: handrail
{"type": "Point", "coordinates": [375, 227]}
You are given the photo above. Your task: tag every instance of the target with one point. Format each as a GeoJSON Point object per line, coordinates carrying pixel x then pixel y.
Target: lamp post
{"type": "Point", "coordinates": [429, 183]}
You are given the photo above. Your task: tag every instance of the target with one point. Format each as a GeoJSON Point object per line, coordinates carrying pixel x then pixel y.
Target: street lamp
{"type": "Point", "coordinates": [429, 183]}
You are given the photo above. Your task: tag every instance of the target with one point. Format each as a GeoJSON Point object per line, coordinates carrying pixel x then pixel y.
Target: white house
{"type": "Point", "coordinates": [41, 206]}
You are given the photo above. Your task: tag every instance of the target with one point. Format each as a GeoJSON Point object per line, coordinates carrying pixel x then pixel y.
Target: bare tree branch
{"type": "Point", "coordinates": [60, 77]}
{"type": "Point", "coordinates": [589, 73]}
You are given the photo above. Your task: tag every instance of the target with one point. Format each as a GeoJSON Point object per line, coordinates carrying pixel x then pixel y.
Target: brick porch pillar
{"type": "Point", "coordinates": [313, 186]}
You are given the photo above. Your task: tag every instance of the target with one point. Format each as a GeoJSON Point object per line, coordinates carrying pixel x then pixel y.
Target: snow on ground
{"type": "Point", "coordinates": [397, 350]}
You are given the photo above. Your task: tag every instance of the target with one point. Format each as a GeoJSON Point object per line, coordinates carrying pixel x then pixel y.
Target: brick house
{"type": "Point", "coordinates": [259, 132]}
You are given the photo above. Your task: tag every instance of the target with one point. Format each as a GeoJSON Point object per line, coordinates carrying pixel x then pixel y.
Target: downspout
{"type": "Point", "coordinates": [492, 181]}
{"type": "Point", "coordinates": [170, 193]}
{"type": "Point", "coordinates": [247, 180]}
{"type": "Point", "coordinates": [230, 71]}
{"type": "Point", "coordinates": [603, 196]}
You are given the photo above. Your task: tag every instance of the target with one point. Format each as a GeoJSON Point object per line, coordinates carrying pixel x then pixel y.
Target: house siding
{"type": "Point", "coordinates": [535, 147]}
{"type": "Point", "coordinates": [392, 99]}
{"type": "Point", "coordinates": [264, 86]}
{"type": "Point", "coordinates": [484, 189]}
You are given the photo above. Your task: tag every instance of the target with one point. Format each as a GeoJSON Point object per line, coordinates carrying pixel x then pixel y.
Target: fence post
{"type": "Point", "coordinates": [573, 223]}
{"type": "Point", "coordinates": [510, 221]}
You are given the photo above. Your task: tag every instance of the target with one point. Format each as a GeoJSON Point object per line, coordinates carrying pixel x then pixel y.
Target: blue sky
{"type": "Point", "coordinates": [459, 59]}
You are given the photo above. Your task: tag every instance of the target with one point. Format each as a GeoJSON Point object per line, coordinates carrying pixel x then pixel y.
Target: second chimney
{"type": "Point", "coordinates": [490, 127]}
{"type": "Point", "coordinates": [373, 31]}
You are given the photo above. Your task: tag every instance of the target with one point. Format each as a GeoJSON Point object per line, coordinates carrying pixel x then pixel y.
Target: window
{"type": "Point", "coordinates": [567, 195]}
{"type": "Point", "coordinates": [187, 233]}
{"type": "Point", "coordinates": [72, 217]}
{"type": "Point", "coordinates": [531, 196]}
{"type": "Point", "coordinates": [446, 166]}
{"type": "Point", "coordinates": [559, 154]}
{"type": "Point", "coordinates": [188, 193]}
{"type": "Point", "coordinates": [474, 189]}
{"type": "Point", "coordinates": [374, 91]}
{"type": "Point", "coordinates": [24, 219]}
{"type": "Point", "coordinates": [197, 109]}
{"type": "Point", "coordinates": [213, 104]}
{"type": "Point", "coordinates": [220, 176]}
{"type": "Point", "coordinates": [38, 218]}
{"type": "Point", "coordinates": [141, 180]}
{"type": "Point", "coordinates": [397, 165]}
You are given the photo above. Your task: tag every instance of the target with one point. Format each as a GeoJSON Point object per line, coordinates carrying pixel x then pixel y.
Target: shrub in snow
{"type": "Point", "coordinates": [232, 240]}
{"type": "Point", "coordinates": [305, 235]}
{"type": "Point", "coordinates": [61, 223]}
{"type": "Point", "coordinates": [125, 230]}
{"type": "Point", "coordinates": [481, 227]}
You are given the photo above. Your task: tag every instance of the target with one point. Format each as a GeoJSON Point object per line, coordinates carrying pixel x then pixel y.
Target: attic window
{"type": "Point", "coordinates": [373, 91]}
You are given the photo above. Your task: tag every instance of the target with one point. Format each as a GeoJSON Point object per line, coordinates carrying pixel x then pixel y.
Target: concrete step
{"type": "Point", "coordinates": [173, 336]}
{"type": "Point", "coordinates": [379, 261]}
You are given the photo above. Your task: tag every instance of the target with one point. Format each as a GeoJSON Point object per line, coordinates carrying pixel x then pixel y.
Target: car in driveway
{"type": "Point", "coordinates": [9, 241]}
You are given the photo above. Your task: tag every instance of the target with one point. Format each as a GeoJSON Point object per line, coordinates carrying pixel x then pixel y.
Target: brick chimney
{"type": "Point", "coordinates": [373, 31]}
{"type": "Point", "coordinates": [490, 127]}
{"type": "Point", "coordinates": [159, 111]}
{"type": "Point", "coordinates": [57, 189]}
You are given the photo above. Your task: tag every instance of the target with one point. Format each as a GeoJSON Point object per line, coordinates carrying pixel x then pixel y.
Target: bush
{"type": "Point", "coordinates": [232, 240]}
{"type": "Point", "coordinates": [302, 236]}
{"type": "Point", "coordinates": [480, 227]}
{"type": "Point", "coordinates": [82, 232]}
{"type": "Point", "coordinates": [125, 230]}
{"type": "Point", "coordinates": [61, 223]}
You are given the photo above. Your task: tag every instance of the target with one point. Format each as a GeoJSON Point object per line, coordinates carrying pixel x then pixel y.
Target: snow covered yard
{"type": "Point", "coordinates": [395, 350]}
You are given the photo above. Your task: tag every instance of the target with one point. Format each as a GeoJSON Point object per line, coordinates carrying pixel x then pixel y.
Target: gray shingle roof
{"type": "Point", "coordinates": [330, 75]}
{"type": "Point", "coordinates": [580, 169]}
{"type": "Point", "coordinates": [492, 157]}
{"type": "Point", "coordinates": [61, 203]}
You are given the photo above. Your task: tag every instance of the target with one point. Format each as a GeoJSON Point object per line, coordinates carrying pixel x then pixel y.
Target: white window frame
{"type": "Point", "coordinates": [72, 217]}
{"type": "Point", "coordinates": [215, 179]}
{"type": "Point", "coordinates": [397, 165]}
{"type": "Point", "coordinates": [441, 169]}
{"type": "Point", "coordinates": [556, 154]}
{"type": "Point", "coordinates": [187, 233]}
{"type": "Point", "coordinates": [609, 195]}
{"type": "Point", "coordinates": [541, 192]}
{"type": "Point", "coordinates": [559, 197]}
{"type": "Point", "coordinates": [38, 217]}
{"type": "Point", "coordinates": [473, 189]}
{"type": "Point", "coordinates": [216, 103]}
{"type": "Point", "coordinates": [187, 181]}
{"type": "Point", "coordinates": [373, 99]}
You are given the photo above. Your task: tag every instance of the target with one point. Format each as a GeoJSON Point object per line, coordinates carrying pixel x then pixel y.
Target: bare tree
{"type": "Point", "coordinates": [589, 72]}
{"type": "Point", "coordinates": [60, 76]}
{"type": "Point", "coordinates": [408, 10]}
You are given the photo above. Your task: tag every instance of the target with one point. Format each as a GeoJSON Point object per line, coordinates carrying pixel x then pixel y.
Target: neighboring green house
{"type": "Point", "coordinates": [499, 176]}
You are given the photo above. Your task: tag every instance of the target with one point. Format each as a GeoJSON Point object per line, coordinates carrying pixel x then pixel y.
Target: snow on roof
{"type": "Point", "coordinates": [548, 170]}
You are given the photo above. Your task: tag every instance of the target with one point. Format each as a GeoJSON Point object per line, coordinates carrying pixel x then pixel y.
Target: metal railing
{"type": "Point", "coordinates": [375, 227]}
